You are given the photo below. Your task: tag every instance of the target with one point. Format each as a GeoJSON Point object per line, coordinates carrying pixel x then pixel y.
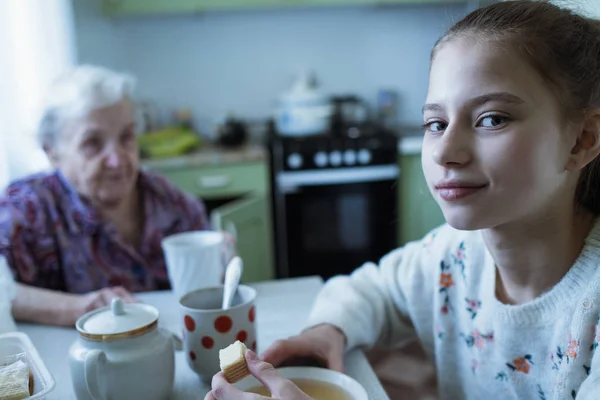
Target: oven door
{"type": "Point", "coordinates": [337, 220]}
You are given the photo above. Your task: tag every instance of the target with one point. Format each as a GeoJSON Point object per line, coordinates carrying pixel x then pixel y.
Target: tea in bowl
{"type": "Point", "coordinates": [317, 383]}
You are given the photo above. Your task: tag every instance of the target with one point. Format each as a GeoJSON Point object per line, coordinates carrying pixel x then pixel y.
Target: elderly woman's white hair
{"type": "Point", "coordinates": [76, 93]}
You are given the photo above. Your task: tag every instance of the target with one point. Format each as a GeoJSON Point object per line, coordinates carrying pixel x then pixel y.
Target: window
{"type": "Point", "coordinates": [36, 38]}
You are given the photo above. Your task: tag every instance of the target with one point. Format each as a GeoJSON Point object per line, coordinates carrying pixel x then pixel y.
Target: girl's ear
{"type": "Point", "coordinates": [587, 145]}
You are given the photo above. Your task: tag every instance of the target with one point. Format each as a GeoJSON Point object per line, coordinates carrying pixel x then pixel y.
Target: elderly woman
{"type": "Point", "coordinates": [91, 230]}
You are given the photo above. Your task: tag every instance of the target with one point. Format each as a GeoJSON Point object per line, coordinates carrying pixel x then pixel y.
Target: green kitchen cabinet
{"type": "Point", "coordinates": [216, 5]}
{"type": "Point", "coordinates": [247, 219]}
{"type": "Point", "coordinates": [419, 213]}
{"type": "Point", "coordinates": [242, 193]}
{"type": "Point", "coordinates": [220, 181]}
{"type": "Point", "coordinates": [141, 7]}
{"type": "Point", "coordinates": [149, 7]}
{"type": "Point", "coordinates": [417, 2]}
{"type": "Point", "coordinates": [252, 4]}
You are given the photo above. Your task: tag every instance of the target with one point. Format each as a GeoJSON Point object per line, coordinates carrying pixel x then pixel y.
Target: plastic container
{"type": "Point", "coordinates": [18, 342]}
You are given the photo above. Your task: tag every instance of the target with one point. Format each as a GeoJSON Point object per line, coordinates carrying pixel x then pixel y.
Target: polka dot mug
{"type": "Point", "coordinates": [207, 328]}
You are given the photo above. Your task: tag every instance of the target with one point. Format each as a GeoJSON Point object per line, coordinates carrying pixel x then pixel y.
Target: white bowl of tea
{"type": "Point", "coordinates": [317, 383]}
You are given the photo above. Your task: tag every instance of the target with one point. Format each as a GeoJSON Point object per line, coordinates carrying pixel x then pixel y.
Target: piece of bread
{"type": "Point", "coordinates": [233, 362]}
{"type": "Point", "coordinates": [14, 381]}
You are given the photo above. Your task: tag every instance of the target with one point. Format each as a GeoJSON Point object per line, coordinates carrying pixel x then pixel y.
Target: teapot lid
{"type": "Point", "coordinates": [117, 321]}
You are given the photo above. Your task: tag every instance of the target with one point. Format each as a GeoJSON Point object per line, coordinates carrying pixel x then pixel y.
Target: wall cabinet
{"type": "Point", "coordinates": [149, 7]}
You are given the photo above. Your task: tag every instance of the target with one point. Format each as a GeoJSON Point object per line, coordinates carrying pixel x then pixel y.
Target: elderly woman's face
{"type": "Point", "coordinates": [98, 154]}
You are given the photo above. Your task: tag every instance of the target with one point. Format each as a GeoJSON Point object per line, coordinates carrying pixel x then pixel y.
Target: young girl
{"type": "Point", "coordinates": [506, 297]}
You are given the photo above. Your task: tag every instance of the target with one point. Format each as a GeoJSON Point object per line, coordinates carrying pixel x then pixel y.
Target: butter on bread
{"type": "Point", "coordinates": [233, 362]}
{"type": "Point", "coordinates": [15, 381]}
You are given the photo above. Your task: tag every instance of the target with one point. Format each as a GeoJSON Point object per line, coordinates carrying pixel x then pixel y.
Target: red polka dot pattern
{"type": "Point", "coordinates": [190, 324]}
{"type": "Point", "coordinates": [208, 342]}
{"type": "Point", "coordinates": [252, 314]}
{"type": "Point", "coordinates": [223, 324]}
{"type": "Point", "coordinates": [192, 356]}
{"type": "Point", "coordinates": [242, 336]}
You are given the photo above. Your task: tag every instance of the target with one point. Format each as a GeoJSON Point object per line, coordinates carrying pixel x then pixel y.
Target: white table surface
{"type": "Point", "coordinates": [282, 308]}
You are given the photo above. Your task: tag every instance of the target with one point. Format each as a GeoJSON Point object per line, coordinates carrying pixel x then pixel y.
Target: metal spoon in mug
{"type": "Point", "coordinates": [233, 272]}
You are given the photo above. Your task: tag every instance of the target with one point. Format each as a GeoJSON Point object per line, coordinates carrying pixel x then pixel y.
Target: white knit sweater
{"type": "Point", "coordinates": [442, 290]}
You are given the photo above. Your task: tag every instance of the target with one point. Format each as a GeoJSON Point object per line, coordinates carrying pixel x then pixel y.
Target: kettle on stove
{"type": "Point", "coordinates": [303, 110]}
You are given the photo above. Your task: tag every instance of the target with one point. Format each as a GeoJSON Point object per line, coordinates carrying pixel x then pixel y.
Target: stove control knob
{"type": "Point", "coordinates": [335, 158]}
{"type": "Point", "coordinates": [295, 161]}
{"type": "Point", "coordinates": [350, 157]}
{"type": "Point", "coordinates": [364, 156]}
{"type": "Point", "coordinates": [320, 159]}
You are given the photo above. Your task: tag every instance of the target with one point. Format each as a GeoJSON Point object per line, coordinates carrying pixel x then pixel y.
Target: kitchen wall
{"type": "Point", "coordinates": [241, 61]}
{"type": "Point", "coordinates": [594, 8]}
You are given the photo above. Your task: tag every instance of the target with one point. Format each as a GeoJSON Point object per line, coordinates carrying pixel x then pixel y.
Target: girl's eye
{"type": "Point", "coordinates": [435, 126]}
{"type": "Point", "coordinates": [493, 121]}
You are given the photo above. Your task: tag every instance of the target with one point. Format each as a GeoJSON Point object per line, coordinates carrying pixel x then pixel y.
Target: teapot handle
{"type": "Point", "coordinates": [92, 360]}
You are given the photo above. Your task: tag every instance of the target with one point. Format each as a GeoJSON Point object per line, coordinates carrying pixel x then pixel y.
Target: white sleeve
{"type": "Point", "coordinates": [377, 302]}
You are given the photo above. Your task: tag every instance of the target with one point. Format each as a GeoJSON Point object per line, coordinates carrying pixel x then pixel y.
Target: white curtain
{"type": "Point", "coordinates": [36, 38]}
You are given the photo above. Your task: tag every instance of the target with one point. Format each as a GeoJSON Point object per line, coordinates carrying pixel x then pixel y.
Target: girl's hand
{"type": "Point", "coordinates": [323, 343]}
{"type": "Point", "coordinates": [279, 387]}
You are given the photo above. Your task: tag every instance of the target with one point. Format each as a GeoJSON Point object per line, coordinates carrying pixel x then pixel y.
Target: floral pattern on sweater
{"type": "Point", "coordinates": [476, 340]}
{"type": "Point", "coordinates": [446, 283]}
{"type": "Point", "coordinates": [542, 350]}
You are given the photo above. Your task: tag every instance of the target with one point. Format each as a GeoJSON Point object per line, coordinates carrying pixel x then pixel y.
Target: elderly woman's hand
{"type": "Point", "coordinates": [100, 298]}
{"type": "Point", "coordinates": [279, 387]}
{"type": "Point", "coordinates": [45, 306]}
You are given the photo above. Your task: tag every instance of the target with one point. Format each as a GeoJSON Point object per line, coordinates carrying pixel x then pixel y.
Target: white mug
{"type": "Point", "coordinates": [194, 260]}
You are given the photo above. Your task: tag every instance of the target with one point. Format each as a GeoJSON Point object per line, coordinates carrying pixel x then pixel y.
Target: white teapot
{"type": "Point", "coordinates": [122, 354]}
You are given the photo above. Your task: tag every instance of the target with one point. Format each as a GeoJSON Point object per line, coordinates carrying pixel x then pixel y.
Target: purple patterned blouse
{"type": "Point", "coordinates": [53, 239]}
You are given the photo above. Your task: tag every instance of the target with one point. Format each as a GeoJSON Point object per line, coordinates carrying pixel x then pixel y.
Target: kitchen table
{"type": "Point", "coordinates": [282, 307]}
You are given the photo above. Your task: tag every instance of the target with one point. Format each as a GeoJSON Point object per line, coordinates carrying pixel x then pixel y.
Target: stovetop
{"type": "Point", "coordinates": [328, 151]}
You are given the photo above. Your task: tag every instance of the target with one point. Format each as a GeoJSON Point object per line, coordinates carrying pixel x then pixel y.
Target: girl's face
{"type": "Point", "coordinates": [496, 142]}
